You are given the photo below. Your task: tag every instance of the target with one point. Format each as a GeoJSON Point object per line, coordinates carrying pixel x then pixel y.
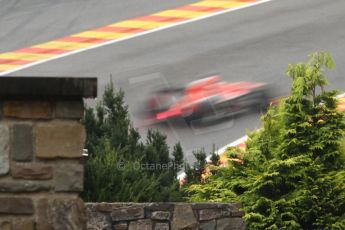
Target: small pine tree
{"type": "Point", "coordinates": [214, 159]}
{"type": "Point", "coordinates": [120, 167]}
{"type": "Point", "coordinates": [178, 156]}
{"type": "Point", "coordinates": [194, 174]}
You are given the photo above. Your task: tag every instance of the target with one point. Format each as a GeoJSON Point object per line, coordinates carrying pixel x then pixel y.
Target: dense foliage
{"type": "Point", "coordinates": [120, 166]}
{"type": "Point", "coordinates": [292, 174]}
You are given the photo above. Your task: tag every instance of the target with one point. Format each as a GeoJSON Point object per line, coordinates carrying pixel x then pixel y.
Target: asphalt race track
{"type": "Point", "coordinates": [253, 44]}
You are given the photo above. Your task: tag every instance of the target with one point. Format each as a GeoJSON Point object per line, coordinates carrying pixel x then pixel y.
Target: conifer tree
{"type": "Point", "coordinates": [194, 174]}
{"type": "Point", "coordinates": [178, 155]}
{"type": "Point", "coordinates": [214, 159]}
{"type": "Point", "coordinates": [121, 167]}
{"type": "Point", "coordinates": [293, 171]}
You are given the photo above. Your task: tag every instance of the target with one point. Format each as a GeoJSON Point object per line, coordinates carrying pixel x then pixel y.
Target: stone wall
{"type": "Point", "coordinates": [41, 146]}
{"type": "Point", "coordinates": [164, 216]}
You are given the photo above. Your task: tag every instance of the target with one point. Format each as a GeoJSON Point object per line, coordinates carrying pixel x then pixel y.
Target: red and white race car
{"type": "Point", "coordinates": [207, 98]}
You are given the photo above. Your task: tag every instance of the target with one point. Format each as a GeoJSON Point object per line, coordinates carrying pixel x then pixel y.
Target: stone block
{"type": "Point", "coordinates": [5, 225]}
{"type": "Point", "coordinates": [160, 215]}
{"type": "Point", "coordinates": [59, 139]}
{"type": "Point", "coordinates": [68, 177]}
{"type": "Point", "coordinates": [183, 218]}
{"type": "Point", "coordinates": [60, 213]}
{"type": "Point", "coordinates": [226, 213]}
{"type": "Point", "coordinates": [128, 213]}
{"type": "Point", "coordinates": [108, 207]}
{"type": "Point", "coordinates": [18, 186]}
{"type": "Point", "coordinates": [69, 109]}
{"type": "Point", "coordinates": [209, 214]}
{"type": "Point", "coordinates": [23, 224]}
{"type": "Point", "coordinates": [161, 226]}
{"type": "Point", "coordinates": [209, 225]}
{"type": "Point", "coordinates": [160, 207]}
{"type": "Point", "coordinates": [21, 144]}
{"type": "Point", "coordinates": [47, 87]}
{"type": "Point", "coordinates": [4, 149]}
{"type": "Point", "coordinates": [145, 224]}
{"type": "Point", "coordinates": [27, 109]}
{"type": "Point", "coordinates": [31, 171]}
{"type": "Point", "coordinates": [208, 205]}
{"type": "Point", "coordinates": [231, 224]}
{"type": "Point", "coordinates": [237, 213]}
{"type": "Point", "coordinates": [16, 205]}
{"type": "Point", "coordinates": [232, 209]}
{"type": "Point", "coordinates": [120, 226]}
{"type": "Point", "coordinates": [96, 219]}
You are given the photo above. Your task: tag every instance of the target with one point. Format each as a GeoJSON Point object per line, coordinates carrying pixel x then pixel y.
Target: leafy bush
{"type": "Point", "coordinates": [293, 171]}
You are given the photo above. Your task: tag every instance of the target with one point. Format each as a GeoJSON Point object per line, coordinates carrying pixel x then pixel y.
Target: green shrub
{"type": "Point", "coordinates": [293, 171]}
{"type": "Point", "coordinates": [121, 167]}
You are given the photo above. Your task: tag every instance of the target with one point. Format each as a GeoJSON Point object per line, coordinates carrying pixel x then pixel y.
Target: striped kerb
{"type": "Point", "coordinates": [88, 39]}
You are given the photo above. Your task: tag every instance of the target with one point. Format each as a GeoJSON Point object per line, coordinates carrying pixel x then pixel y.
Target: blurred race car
{"type": "Point", "coordinates": [208, 98]}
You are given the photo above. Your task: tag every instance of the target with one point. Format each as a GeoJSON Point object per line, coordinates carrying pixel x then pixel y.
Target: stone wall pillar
{"type": "Point", "coordinates": [41, 146]}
